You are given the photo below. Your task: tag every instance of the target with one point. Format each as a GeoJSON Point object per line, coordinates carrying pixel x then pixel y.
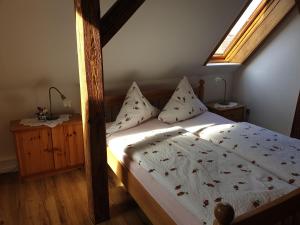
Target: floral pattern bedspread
{"type": "Point", "coordinates": [272, 151]}
{"type": "Point", "coordinates": [200, 174]}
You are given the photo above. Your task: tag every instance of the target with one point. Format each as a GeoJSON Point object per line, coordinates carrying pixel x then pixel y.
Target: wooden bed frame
{"type": "Point", "coordinates": [284, 210]}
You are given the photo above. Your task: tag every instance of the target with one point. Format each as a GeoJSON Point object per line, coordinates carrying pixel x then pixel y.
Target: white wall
{"type": "Point", "coordinates": [269, 82]}
{"type": "Point", "coordinates": [37, 50]}
{"type": "Point", "coordinates": [163, 41]}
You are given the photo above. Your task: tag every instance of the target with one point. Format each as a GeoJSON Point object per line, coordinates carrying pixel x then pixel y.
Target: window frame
{"type": "Point", "coordinates": [239, 43]}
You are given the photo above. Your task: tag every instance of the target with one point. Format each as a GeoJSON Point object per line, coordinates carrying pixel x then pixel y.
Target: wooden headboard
{"type": "Point", "coordinates": [157, 96]}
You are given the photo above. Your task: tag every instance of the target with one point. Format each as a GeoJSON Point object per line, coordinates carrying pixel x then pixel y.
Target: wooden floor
{"type": "Point", "coordinates": [61, 199]}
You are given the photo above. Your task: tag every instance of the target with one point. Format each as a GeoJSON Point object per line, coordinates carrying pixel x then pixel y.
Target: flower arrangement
{"type": "Point", "coordinates": [42, 113]}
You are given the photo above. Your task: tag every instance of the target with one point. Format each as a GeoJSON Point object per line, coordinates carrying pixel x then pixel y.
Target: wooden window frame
{"type": "Point", "coordinates": [252, 34]}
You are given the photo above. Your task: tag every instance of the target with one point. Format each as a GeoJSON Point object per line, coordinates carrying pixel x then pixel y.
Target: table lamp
{"type": "Point", "coordinates": [66, 103]}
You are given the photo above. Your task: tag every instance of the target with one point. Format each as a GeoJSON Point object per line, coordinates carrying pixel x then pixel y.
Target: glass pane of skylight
{"type": "Point", "coordinates": [238, 26]}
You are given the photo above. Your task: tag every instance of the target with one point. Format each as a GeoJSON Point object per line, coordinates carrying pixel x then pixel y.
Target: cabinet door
{"type": "Point", "coordinates": [74, 144]}
{"type": "Point", "coordinates": [35, 151]}
{"type": "Point", "coordinates": [59, 148]}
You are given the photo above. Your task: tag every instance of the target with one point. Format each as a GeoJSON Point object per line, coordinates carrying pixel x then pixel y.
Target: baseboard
{"type": "Point", "coordinates": [8, 166]}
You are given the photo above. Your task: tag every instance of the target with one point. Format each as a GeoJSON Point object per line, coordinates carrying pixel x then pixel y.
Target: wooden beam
{"type": "Point", "coordinates": [298, 4]}
{"type": "Point", "coordinates": [116, 17]}
{"type": "Point", "coordinates": [296, 124]}
{"type": "Point", "coordinates": [92, 105]}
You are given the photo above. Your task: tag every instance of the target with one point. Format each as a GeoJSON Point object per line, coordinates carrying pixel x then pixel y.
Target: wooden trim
{"type": "Point", "coordinates": [263, 25]}
{"type": "Point", "coordinates": [269, 14]}
{"type": "Point", "coordinates": [298, 4]}
{"type": "Point", "coordinates": [273, 212]}
{"type": "Point", "coordinates": [223, 58]}
{"type": "Point", "coordinates": [213, 58]}
{"type": "Point", "coordinates": [246, 26]}
{"type": "Point", "coordinates": [116, 17]}
{"type": "Point", "coordinates": [296, 123]}
{"type": "Point", "coordinates": [146, 202]}
{"type": "Point", "coordinates": [92, 103]}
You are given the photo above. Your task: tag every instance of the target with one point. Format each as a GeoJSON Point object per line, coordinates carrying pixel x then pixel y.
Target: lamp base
{"type": "Point", "coordinates": [224, 103]}
{"type": "Point", "coordinates": [52, 117]}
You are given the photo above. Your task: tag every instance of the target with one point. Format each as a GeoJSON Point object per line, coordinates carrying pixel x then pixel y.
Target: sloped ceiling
{"type": "Point", "coordinates": [164, 38]}
{"type": "Point", "coordinates": [168, 38]}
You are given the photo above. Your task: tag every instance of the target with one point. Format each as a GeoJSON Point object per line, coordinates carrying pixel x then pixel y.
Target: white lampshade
{"type": "Point", "coordinates": [67, 103]}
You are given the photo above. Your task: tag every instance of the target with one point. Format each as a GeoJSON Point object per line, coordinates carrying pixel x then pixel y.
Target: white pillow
{"type": "Point", "coordinates": [184, 104]}
{"type": "Point", "coordinates": [135, 110]}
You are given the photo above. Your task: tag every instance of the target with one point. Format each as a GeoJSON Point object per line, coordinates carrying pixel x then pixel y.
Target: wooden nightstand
{"type": "Point", "coordinates": [236, 113]}
{"type": "Point", "coordinates": [42, 150]}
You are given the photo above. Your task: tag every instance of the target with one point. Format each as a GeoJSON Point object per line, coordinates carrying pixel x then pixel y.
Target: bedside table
{"type": "Point", "coordinates": [236, 113]}
{"type": "Point", "coordinates": [42, 150]}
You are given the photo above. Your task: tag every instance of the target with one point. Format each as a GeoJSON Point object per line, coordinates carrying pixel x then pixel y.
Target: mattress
{"type": "Point", "coordinates": [272, 151]}
{"type": "Point", "coordinates": [118, 143]}
{"type": "Point", "coordinates": [202, 121]}
{"type": "Point", "coordinates": [181, 171]}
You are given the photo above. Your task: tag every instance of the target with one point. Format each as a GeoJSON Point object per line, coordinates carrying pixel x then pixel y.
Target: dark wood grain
{"type": "Point", "coordinates": [116, 17]}
{"type": "Point", "coordinates": [92, 97]}
{"type": "Point", "coordinates": [298, 4]}
{"type": "Point", "coordinates": [296, 124]}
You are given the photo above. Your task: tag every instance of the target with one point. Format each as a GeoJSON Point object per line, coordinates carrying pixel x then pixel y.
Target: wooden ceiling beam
{"type": "Point", "coordinates": [116, 17]}
{"type": "Point", "coordinates": [92, 106]}
{"type": "Point", "coordinates": [298, 4]}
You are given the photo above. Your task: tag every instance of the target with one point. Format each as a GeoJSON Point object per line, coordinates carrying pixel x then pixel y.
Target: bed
{"type": "Point", "coordinates": [161, 204]}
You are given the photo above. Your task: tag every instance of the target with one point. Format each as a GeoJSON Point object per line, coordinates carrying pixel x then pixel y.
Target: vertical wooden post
{"type": "Point", "coordinates": [298, 4]}
{"type": "Point", "coordinates": [92, 96]}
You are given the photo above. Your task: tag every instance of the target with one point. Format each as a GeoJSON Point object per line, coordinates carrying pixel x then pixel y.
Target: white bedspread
{"type": "Point", "coordinates": [200, 174]}
{"type": "Point", "coordinates": [275, 152]}
{"type": "Point", "coordinates": [202, 121]}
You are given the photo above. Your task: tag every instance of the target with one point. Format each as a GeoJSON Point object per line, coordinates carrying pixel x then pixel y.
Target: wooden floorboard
{"type": "Point", "coordinates": [61, 200]}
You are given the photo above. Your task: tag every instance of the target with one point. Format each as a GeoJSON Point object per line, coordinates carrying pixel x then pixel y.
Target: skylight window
{"type": "Point", "coordinates": [238, 27]}
{"type": "Point", "coordinates": [257, 20]}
